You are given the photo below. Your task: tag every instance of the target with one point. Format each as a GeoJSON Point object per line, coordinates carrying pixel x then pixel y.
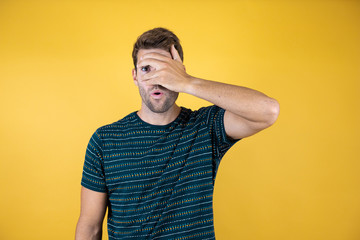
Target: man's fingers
{"type": "Point", "coordinates": [174, 53]}
{"type": "Point", "coordinates": [155, 55]}
{"type": "Point", "coordinates": [149, 62]}
{"type": "Point", "coordinates": [149, 76]}
{"type": "Point", "coordinates": [151, 81]}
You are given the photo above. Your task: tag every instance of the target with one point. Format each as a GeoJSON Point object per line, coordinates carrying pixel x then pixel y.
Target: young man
{"type": "Point", "coordinates": [155, 169]}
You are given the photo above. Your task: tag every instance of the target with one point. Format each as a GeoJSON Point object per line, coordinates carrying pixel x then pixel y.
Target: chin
{"type": "Point", "coordinates": [160, 109]}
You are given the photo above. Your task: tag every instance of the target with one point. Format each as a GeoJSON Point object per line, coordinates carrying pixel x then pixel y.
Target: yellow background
{"type": "Point", "coordinates": [65, 70]}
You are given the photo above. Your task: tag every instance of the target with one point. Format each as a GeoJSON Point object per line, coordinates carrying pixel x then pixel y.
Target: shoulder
{"type": "Point", "coordinates": [205, 113]}
{"type": "Point", "coordinates": [121, 125]}
{"type": "Point", "coordinates": [202, 116]}
{"type": "Point", "coordinates": [200, 111]}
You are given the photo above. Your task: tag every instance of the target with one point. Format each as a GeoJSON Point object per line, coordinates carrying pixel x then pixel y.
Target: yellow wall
{"type": "Point", "coordinates": [65, 69]}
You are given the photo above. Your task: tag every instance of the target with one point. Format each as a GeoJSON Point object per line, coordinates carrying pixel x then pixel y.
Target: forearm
{"type": "Point", "coordinates": [85, 231]}
{"type": "Point", "coordinates": [244, 102]}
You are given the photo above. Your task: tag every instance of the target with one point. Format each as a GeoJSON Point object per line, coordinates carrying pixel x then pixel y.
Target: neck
{"type": "Point", "coordinates": [159, 118]}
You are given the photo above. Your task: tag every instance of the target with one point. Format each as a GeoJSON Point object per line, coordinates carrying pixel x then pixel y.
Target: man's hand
{"type": "Point", "coordinates": [168, 72]}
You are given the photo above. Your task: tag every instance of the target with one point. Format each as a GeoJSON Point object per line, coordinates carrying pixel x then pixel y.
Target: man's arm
{"type": "Point", "coordinates": [247, 111]}
{"type": "Point", "coordinates": [93, 209]}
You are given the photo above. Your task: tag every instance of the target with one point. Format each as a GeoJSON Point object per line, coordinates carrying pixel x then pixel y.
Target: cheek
{"type": "Point", "coordinates": [141, 76]}
{"type": "Point", "coordinates": [142, 92]}
{"type": "Point", "coordinates": [142, 87]}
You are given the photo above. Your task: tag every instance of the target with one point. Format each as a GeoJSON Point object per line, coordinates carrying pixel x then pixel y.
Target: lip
{"type": "Point", "coordinates": [157, 94]}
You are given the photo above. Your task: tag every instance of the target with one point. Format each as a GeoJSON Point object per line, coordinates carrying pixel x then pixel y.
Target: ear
{"type": "Point", "coordinates": [134, 77]}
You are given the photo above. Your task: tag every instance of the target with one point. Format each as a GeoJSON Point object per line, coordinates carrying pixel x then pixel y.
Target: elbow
{"type": "Point", "coordinates": [86, 230]}
{"type": "Point", "coordinates": [273, 111]}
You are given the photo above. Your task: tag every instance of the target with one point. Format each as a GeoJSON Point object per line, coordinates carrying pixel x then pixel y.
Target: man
{"type": "Point", "coordinates": [155, 169]}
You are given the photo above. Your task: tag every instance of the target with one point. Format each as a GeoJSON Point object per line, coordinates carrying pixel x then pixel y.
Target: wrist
{"type": "Point", "coordinates": [190, 86]}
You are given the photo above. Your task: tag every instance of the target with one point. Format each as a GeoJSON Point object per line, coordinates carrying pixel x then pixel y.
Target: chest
{"type": "Point", "coordinates": [145, 160]}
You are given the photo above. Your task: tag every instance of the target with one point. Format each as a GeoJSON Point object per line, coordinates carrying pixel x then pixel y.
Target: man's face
{"type": "Point", "coordinates": [154, 97]}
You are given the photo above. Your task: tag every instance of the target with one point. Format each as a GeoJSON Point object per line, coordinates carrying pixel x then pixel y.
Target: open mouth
{"type": "Point", "coordinates": [157, 94]}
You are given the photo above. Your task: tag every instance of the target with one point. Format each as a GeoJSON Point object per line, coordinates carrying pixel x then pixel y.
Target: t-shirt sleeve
{"type": "Point", "coordinates": [93, 176]}
{"type": "Point", "coordinates": [221, 143]}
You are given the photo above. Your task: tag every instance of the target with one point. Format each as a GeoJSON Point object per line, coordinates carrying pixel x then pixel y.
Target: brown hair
{"type": "Point", "coordinates": [157, 38]}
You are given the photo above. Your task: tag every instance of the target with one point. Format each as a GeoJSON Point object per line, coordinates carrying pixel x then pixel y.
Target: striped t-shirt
{"type": "Point", "coordinates": [159, 179]}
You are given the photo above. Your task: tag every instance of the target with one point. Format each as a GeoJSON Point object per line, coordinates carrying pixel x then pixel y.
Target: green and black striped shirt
{"type": "Point", "coordinates": [159, 179]}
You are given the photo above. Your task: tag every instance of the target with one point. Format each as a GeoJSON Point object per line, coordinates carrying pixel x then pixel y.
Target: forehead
{"type": "Point", "coordinates": [142, 52]}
